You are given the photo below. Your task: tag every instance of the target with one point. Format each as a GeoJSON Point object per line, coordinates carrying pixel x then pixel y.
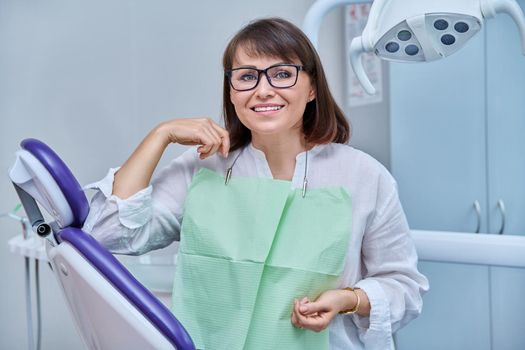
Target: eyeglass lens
{"type": "Point", "coordinates": [278, 76]}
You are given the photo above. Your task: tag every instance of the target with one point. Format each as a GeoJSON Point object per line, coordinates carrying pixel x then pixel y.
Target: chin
{"type": "Point", "coordinates": [287, 131]}
{"type": "Point", "coordinates": [269, 126]}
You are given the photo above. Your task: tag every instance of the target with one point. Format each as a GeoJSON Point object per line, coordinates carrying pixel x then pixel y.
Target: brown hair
{"type": "Point", "coordinates": [323, 120]}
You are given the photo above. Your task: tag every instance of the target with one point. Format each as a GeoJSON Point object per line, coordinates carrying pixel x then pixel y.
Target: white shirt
{"type": "Point", "coordinates": [381, 257]}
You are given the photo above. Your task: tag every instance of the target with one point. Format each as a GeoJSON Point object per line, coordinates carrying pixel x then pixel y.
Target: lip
{"type": "Point", "coordinates": [270, 112]}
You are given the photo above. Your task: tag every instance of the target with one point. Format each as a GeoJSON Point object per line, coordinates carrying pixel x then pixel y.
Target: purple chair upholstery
{"type": "Point", "coordinates": [64, 178]}
{"type": "Point", "coordinates": [99, 257]}
{"type": "Point", "coordinates": [122, 280]}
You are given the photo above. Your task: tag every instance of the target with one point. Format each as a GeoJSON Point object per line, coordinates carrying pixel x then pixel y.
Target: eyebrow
{"type": "Point", "coordinates": [254, 67]}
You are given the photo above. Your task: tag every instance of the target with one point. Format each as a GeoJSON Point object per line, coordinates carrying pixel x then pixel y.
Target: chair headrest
{"type": "Point", "coordinates": [63, 177]}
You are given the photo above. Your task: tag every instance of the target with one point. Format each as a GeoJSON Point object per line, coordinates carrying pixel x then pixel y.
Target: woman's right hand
{"type": "Point", "coordinates": [136, 172]}
{"type": "Point", "coordinates": [197, 131]}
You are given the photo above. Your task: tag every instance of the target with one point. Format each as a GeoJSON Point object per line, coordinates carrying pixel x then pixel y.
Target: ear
{"type": "Point", "coordinates": [312, 94]}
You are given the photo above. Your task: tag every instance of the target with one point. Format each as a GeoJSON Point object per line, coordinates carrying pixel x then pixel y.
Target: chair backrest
{"type": "Point", "coordinates": [110, 307]}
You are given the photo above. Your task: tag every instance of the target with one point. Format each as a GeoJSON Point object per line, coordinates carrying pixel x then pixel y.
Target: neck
{"type": "Point", "coordinates": [280, 152]}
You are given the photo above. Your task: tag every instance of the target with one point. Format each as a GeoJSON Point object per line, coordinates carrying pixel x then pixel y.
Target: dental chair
{"type": "Point", "coordinates": [111, 309]}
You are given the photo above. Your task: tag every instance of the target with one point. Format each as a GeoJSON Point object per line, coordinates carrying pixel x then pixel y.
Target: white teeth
{"type": "Point", "coordinates": [264, 109]}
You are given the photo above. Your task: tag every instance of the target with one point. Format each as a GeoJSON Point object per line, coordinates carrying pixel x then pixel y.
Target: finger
{"type": "Point", "coordinates": [225, 138]}
{"type": "Point", "coordinates": [209, 128]}
{"type": "Point", "coordinates": [202, 150]}
{"type": "Point", "coordinates": [302, 302]}
{"type": "Point", "coordinates": [315, 322]}
{"type": "Point", "coordinates": [312, 308]}
{"type": "Point", "coordinates": [216, 141]}
{"type": "Point", "coordinates": [308, 322]}
{"type": "Point", "coordinates": [206, 142]}
{"type": "Point", "coordinates": [294, 317]}
{"type": "Point", "coordinates": [224, 143]}
{"type": "Point", "coordinates": [299, 318]}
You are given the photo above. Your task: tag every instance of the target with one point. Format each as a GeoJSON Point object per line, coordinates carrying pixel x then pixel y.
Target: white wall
{"type": "Point", "coordinates": [90, 78]}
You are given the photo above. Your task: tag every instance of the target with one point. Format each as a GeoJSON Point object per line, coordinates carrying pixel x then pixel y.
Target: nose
{"type": "Point", "coordinates": [264, 89]}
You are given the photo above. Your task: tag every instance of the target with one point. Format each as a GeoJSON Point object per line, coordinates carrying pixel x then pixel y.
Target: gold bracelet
{"type": "Point", "coordinates": [356, 307]}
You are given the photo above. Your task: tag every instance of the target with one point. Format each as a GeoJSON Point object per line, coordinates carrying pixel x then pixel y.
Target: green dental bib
{"type": "Point", "coordinates": [247, 250]}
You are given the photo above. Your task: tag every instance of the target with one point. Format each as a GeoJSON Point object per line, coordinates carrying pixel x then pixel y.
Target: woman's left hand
{"type": "Point", "coordinates": [318, 314]}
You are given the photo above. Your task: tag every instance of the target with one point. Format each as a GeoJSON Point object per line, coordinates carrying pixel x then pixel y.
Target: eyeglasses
{"type": "Point", "coordinates": [280, 76]}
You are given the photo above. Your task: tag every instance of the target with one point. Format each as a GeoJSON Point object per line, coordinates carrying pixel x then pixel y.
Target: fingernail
{"type": "Point", "coordinates": [303, 309]}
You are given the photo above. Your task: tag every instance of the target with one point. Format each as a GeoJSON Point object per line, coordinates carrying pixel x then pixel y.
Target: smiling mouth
{"type": "Point", "coordinates": [266, 109]}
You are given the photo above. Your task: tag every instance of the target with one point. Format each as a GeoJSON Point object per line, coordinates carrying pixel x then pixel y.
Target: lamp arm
{"type": "Point", "coordinates": [490, 8]}
{"type": "Point", "coordinates": [316, 13]}
{"type": "Point", "coordinates": [356, 59]}
{"type": "Point", "coordinates": [372, 24]}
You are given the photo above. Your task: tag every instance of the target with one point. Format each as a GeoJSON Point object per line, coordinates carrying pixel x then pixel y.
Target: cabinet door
{"type": "Point", "coordinates": [506, 125]}
{"type": "Point", "coordinates": [506, 156]}
{"type": "Point", "coordinates": [455, 311]}
{"type": "Point", "coordinates": [508, 308]}
{"type": "Point", "coordinates": [438, 139]}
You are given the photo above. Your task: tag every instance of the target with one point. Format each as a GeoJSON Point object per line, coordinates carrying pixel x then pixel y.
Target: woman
{"type": "Point", "coordinates": [290, 239]}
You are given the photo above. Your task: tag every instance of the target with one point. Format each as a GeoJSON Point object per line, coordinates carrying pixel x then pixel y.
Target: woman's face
{"type": "Point", "coordinates": [267, 110]}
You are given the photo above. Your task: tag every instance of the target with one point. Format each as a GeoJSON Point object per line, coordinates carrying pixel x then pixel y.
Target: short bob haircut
{"type": "Point", "coordinates": [323, 120]}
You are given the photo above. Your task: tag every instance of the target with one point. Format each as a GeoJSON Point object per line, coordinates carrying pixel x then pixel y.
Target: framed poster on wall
{"type": "Point", "coordinates": [356, 16]}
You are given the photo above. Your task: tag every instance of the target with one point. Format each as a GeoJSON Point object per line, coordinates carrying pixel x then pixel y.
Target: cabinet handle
{"type": "Point", "coordinates": [477, 208]}
{"type": "Point", "coordinates": [501, 207]}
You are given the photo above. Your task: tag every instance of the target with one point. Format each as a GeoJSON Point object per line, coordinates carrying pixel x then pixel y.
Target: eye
{"type": "Point", "coordinates": [282, 74]}
{"type": "Point", "coordinates": [247, 77]}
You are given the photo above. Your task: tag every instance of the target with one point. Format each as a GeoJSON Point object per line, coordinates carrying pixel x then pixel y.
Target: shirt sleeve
{"type": "Point", "coordinates": [149, 219]}
{"type": "Point", "coordinates": [391, 280]}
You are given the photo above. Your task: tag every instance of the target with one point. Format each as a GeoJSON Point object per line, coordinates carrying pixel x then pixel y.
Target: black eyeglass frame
{"type": "Point", "coordinates": [299, 68]}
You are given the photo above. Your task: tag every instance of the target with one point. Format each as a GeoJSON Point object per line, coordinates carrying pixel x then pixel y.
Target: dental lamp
{"type": "Point", "coordinates": [415, 30]}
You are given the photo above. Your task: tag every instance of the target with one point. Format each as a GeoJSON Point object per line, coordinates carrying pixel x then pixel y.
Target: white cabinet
{"type": "Point", "coordinates": [505, 104]}
{"type": "Point", "coordinates": [507, 308]}
{"type": "Point", "coordinates": [458, 138]}
{"type": "Point", "coordinates": [438, 135]}
{"type": "Point", "coordinates": [458, 135]}
{"type": "Point", "coordinates": [458, 292]}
